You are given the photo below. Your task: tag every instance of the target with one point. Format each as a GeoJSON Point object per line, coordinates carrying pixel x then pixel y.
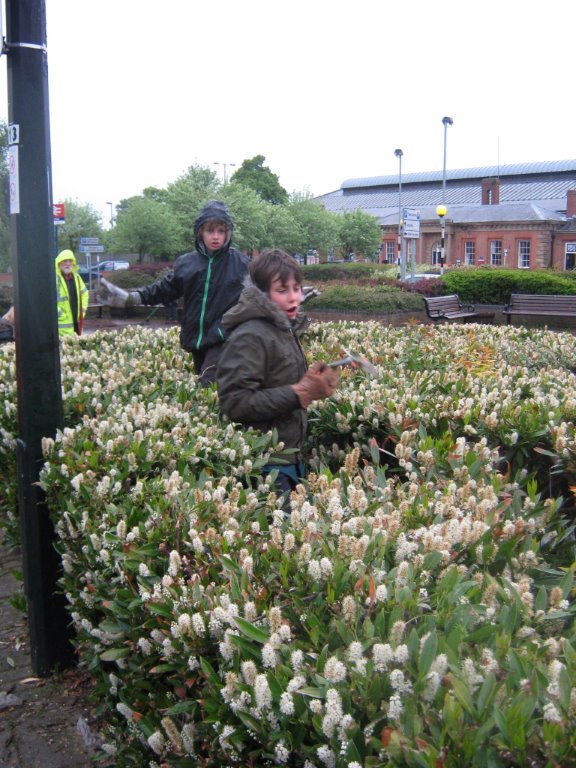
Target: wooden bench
{"type": "Point", "coordinates": [451, 308]}
{"type": "Point", "coordinates": [97, 307]}
{"type": "Point", "coordinates": [550, 305]}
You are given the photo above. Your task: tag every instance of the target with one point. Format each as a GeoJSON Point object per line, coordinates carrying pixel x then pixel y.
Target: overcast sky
{"type": "Point", "coordinates": [326, 90]}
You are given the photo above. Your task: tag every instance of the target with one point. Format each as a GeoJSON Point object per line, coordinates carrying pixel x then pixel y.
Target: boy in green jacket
{"type": "Point", "coordinates": [263, 379]}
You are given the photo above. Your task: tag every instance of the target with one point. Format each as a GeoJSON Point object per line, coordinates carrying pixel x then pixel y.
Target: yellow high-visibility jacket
{"type": "Point", "coordinates": [65, 319]}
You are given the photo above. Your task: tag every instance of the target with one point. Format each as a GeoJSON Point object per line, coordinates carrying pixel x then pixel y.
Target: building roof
{"type": "Point", "coordinates": [527, 192]}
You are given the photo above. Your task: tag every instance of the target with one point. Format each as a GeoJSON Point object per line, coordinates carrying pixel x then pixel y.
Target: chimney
{"type": "Point", "coordinates": [571, 204]}
{"type": "Point", "coordinates": [491, 191]}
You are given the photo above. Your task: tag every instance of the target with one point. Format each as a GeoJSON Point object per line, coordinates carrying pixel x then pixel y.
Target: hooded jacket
{"type": "Point", "coordinates": [209, 283]}
{"type": "Point", "coordinates": [259, 362]}
{"type": "Point", "coordinates": [65, 316]}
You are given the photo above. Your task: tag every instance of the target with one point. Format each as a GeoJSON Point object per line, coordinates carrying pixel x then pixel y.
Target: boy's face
{"type": "Point", "coordinates": [214, 235]}
{"type": "Point", "coordinates": [287, 296]}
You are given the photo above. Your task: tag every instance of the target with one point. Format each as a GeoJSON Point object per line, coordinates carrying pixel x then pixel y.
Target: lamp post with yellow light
{"type": "Point", "coordinates": [441, 210]}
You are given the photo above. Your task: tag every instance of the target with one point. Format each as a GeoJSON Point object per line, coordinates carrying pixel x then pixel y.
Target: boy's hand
{"type": "Point", "coordinates": [318, 382]}
{"type": "Point", "coordinates": [113, 296]}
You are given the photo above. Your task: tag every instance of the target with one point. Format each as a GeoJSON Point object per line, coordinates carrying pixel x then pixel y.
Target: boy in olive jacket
{"type": "Point", "coordinates": [263, 380]}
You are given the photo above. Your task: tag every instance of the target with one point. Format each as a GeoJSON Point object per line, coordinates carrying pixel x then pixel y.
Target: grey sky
{"type": "Point", "coordinates": [324, 89]}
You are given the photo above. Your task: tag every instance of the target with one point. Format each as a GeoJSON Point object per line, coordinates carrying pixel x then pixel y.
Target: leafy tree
{"type": "Point", "coordinates": [186, 196]}
{"type": "Point", "coordinates": [359, 233]}
{"type": "Point", "coordinates": [82, 220]}
{"type": "Point", "coordinates": [249, 215]}
{"type": "Point", "coordinates": [282, 230]}
{"type": "Point", "coordinates": [147, 228]}
{"type": "Point", "coordinates": [318, 228]}
{"type": "Point", "coordinates": [258, 177]}
{"type": "Point", "coordinates": [4, 200]}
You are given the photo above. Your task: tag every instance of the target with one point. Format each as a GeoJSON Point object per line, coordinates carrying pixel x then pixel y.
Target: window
{"type": "Point", "coordinates": [496, 253]}
{"type": "Point", "coordinates": [523, 254]}
{"type": "Point", "coordinates": [469, 252]}
{"type": "Point", "coordinates": [570, 260]}
{"type": "Point", "coordinates": [389, 252]}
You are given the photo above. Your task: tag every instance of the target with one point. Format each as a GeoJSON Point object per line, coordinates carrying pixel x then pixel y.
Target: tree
{"type": "Point", "coordinates": [249, 216]}
{"type": "Point", "coordinates": [258, 177]}
{"type": "Point", "coordinates": [186, 196]}
{"type": "Point", "coordinates": [318, 227]}
{"type": "Point", "coordinates": [148, 228]}
{"type": "Point", "coordinates": [82, 220]}
{"type": "Point", "coordinates": [4, 201]}
{"type": "Point", "coordinates": [282, 230]}
{"type": "Point", "coordinates": [359, 233]}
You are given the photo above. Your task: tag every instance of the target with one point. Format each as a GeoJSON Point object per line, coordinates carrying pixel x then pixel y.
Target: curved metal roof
{"type": "Point", "coordinates": [518, 169]}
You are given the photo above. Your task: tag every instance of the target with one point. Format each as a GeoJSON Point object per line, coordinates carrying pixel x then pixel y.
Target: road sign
{"type": "Point", "coordinates": [89, 240]}
{"type": "Point", "coordinates": [91, 248]}
{"type": "Point", "coordinates": [411, 228]}
{"type": "Point", "coordinates": [59, 211]}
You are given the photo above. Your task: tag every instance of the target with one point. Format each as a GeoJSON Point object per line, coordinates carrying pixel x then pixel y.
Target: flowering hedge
{"type": "Point", "coordinates": [414, 607]}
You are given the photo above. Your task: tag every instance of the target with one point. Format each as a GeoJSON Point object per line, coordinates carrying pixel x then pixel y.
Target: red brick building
{"type": "Point", "coordinates": [520, 216]}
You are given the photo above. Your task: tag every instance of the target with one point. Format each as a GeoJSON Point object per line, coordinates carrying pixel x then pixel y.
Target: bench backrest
{"type": "Point", "coordinates": [441, 304]}
{"type": "Point", "coordinates": [554, 303]}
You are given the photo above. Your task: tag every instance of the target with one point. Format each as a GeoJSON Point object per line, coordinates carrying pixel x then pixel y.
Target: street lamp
{"type": "Point", "coordinates": [225, 165]}
{"type": "Point", "coordinates": [111, 214]}
{"type": "Point", "coordinates": [441, 209]}
{"type": "Point", "coordinates": [398, 153]}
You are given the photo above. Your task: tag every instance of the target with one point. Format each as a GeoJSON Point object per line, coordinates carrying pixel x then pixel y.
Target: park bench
{"type": "Point", "coordinates": [550, 305]}
{"type": "Point", "coordinates": [451, 308]}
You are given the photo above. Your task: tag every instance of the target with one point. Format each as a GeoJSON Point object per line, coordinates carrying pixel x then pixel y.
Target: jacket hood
{"type": "Point", "coordinates": [215, 210]}
{"type": "Point", "coordinates": [64, 256]}
{"type": "Point", "coordinates": [255, 304]}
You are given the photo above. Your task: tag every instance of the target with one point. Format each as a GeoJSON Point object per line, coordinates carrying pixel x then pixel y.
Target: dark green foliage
{"type": "Point", "coordinates": [366, 299]}
{"type": "Point", "coordinates": [6, 300]}
{"type": "Point", "coordinates": [346, 271]}
{"type": "Point", "coordinates": [494, 286]}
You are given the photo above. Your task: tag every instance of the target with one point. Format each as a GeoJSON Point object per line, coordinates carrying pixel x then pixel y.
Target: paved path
{"type": "Point", "coordinates": [44, 723]}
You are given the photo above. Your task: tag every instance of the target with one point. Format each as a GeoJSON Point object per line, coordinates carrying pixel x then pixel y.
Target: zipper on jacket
{"type": "Point", "coordinates": [204, 299]}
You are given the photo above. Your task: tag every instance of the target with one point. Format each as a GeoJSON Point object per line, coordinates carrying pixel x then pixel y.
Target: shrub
{"type": "Point", "coordinates": [486, 285]}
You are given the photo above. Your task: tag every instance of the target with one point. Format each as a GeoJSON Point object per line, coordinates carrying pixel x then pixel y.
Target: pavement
{"type": "Point", "coordinates": [44, 722]}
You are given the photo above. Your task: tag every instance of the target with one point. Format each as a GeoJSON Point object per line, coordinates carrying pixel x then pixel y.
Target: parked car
{"type": "Point", "coordinates": [109, 265]}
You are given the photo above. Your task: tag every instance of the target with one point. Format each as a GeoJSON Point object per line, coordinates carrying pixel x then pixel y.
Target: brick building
{"type": "Point", "coordinates": [521, 216]}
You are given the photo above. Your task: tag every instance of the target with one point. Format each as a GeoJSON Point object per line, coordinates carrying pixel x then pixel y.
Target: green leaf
{"type": "Point", "coordinates": [208, 670]}
{"type": "Point", "coordinates": [486, 693]}
{"type": "Point", "coordinates": [480, 634]}
{"type": "Point", "coordinates": [246, 647]}
{"type": "Point", "coordinates": [309, 690]}
{"type": "Point", "coordinates": [112, 654]}
{"type": "Point", "coordinates": [250, 631]}
{"type": "Point", "coordinates": [183, 707]}
{"type": "Point", "coordinates": [462, 693]}
{"type": "Point", "coordinates": [428, 653]}
{"type": "Point", "coordinates": [431, 561]}
{"type": "Point", "coordinates": [541, 599]}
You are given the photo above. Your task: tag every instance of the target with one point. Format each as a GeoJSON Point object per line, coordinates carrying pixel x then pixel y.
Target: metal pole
{"type": "Point", "coordinates": [446, 121]}
{"type": "Point", "coordinates": [37, 347]}
{"type": "Point", "coordinates": [111, 214]}
{"type": "Point", "coordinates": [401, 255]}
{"type": "Point", "coordinates": [225, 165]}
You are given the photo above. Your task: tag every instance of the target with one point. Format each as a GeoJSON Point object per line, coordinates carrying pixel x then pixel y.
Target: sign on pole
{"type": "Point", "coordinates": [91, 248]}
{"type": "Point", "coordinates": [89, 240]}
{"type": "Point", "coordinates": [411, 218]}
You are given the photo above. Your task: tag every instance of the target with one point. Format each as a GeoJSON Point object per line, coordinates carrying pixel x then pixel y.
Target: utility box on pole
{"type": "Point", "coordinates": [36, 327]}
